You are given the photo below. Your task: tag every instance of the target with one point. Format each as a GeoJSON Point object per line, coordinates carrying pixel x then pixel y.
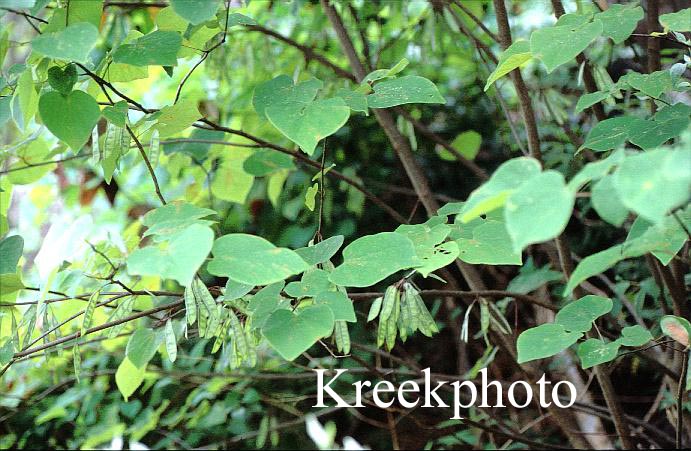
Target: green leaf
{"type": "Point", "coordinates": [307, 124]}
{"type": "Point", "coordinates": [512, 58]}
{"type": "Point", "coordinates": [265, 161]}
{"type": "Point", "coordinates": [590, 99]}
{"type": "Point", "coordinates": [85, 11]}
{"type": "Point", "coordinates": [71, 44]}
{"type": "Point", "coordinates": [27, 98]}
{"type": "Point", "coordinates": [158, 48]}
{"type": "Point", "coordinates": [652, 85]}
{"type": "Point", "coordinates": [372, 258]}
{"type": "Point", "coordinates": [355, 100]}
{"type": "Point", "coordinates": [531, 278]}
{"type": "Point", "coordinates": [322, 251]}
{"type": "Point", "coordinates": [493, 193]}
{"type": "Point", "coordinates": [265, 302]}
{"type": "Point", "coordinates": [654, 182]}
{"type": "Point", "coordinates": [606, 202]}
{"type": "Point", "coordinates": [634, 336]}
{"type": "Point", "coordinates": [282, 91]}
{"type": "Point", "coordinates": [141, 347]}
{"type": "Point", "coordinates": [253, 260]}
{"type": "Point", "coordinates": [677, 328]}
{"type": "Point", "coordinates": [62, 80]}
{"type": "Point", "coordinates": [558, 45]}
{"type": "Point", "coordinates": [678, 21]}
{"type": "Point", "coordinates": [578, 316]}
{"type": "Point", "coordinates": [402, 90]}
{"type": "Point", "coordinates": [174, 217]}
{"type": "Point", "coordinates": [11, 249]}
{"type": "Point", "coordinates": [128, 377]}
{"type": "Point", "coordinates": [240, 19]}
{"type": "Point", "coordinates": [195, 11]}
{"type": "Point", "coordinates": [117, 113]}
{"type": "Point", "coordinates": [489, 243]}
{"type": "Point", "coordinates": [88, 318]}
{"type": "Point", "coordinates": [595, 352]}
{"type": "Point", "coordinates": [610, 133]}
{"type": "Point", "coordinates": [176, 118]}
{"type": "Point", "coordinates": [339, 303]}
{"type": "Point", "coordinates": [667, 123]}
{"type": "Point", "coordinates": [70, 118]}
{"type": "Point", "coordinates": [544, 196]}
{"type": "Point", "coordinates": [663, 237]}
{"type": "Point", "coordinates": [467, 144]}
{"type": "Point", "coordinates": [544, 341]}
{"type": "Point", "coordinates": [291, 334]}
{"type": "Point", "coordinates": [231, 182]}
{"type": "Point", "coordinates": [619, 21]}
{"type": "Point", "coordinates": [179, 259]}
{"type": "Point", "coordinates": [311, 195]}
{"type": "Point", "coordinates": [672, 241]}
{"type": "Point", "coordinates": [313, 282]}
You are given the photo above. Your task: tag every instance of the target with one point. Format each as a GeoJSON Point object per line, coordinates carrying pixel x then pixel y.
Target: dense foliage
{"type": "Point", "coordinates": [203, 200]}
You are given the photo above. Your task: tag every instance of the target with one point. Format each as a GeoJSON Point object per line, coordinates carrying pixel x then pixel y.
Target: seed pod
{"type": "Point", "coordinates": [154, 148]}
{"type": "Point", "coordinates": [123, 310]}
{"type": "Point", "coordinates": [374, 309]}
{"type": "Point", "coordinates": [342, 337]}
{"type": "Point", "coordinates": [427, 324]}
{"type": "Point", "coordinates": [171, 341]}
{"type": "Point", "coordinates": [389, 302]}
{"type": "Point", "coordinates": [76, 360]}
{"type": "Point", "coordinates": [190, 306]}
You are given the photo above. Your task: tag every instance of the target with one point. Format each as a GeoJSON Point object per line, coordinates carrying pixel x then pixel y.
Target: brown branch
{"type": "Point", "coordinates": [525, 103]}
{"type": "Point", "coordinates": [148, 164]}
{"type": "Point", "coordinates": [475, 19]}
{"type": "Point", "coordinates": [309, 52]}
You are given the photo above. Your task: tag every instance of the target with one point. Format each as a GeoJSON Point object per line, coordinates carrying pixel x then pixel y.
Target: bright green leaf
{"type": "Point", "coordinates": [578, 316]}
{"type": "Point", "coordinates": [372, 258]}
{"type": "Point", "coordinates": [70, 118]}
{"type": "Point", "coordinates": [71, 44]}
{"type": "Point", "coordinates": [544, 341]}
{"type": "Point", "coordinates": [402, 90]}
{"type": "Point", "coordinates": [291, 334]}
{"type": "Point", "coordinates": [178, 259]}
{"type": "Point", "coordinates": [253, 260]}
{"type": "Point", "coordinates": [558, 45]}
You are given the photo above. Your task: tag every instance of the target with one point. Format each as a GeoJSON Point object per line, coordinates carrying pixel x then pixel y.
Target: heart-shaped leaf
{"type": "Point", "coordinates": [544, 196]}
{"type": "Point", "coordinates": [159, 48]}
{"type": "Point", "coordinates": [594, 352]}
{"type": "Point", "coordinates": [558, 45]}
{"type": "Point", "coordinates": [544, 341]}
{"type": "Point", "coordinates": [178, 259]}
{"type": "Point", "coordinates": [291, 334]}
{"type": "Point", "coordinates": [578, 316]}
{"type": "Point", "coordinates": [195, 11]}
{"type": "Point", "coordinates": [71, 44]}
{"type": "Point", "coordinates": [62, 80]}
{"type": "Point", "coordinates": [253, 260]}
{"type": "Point", "coordinates": [307, 124]}
{"type": "Point", "coordinates": [339, 303]}
{"type": "Point", "coordinates": [399, 91]}
{"type": "Point", "coordinates": [322, 251]}
{"type": "Point", "coordinates": [677, 328]}
{"type": "Point", "coordinates": [372, 258]}
{"type": "Point", "coordinates": [634, 336]}
{"type": "Point", "coordinates": [174, 217]}
{"type": "Point", "coordinates": [70, 118]}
